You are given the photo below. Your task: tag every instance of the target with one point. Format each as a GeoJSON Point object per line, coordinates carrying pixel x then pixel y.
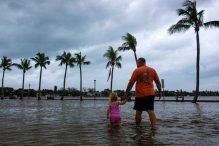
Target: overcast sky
{"type": "Point", "coordinates": [91, 26]}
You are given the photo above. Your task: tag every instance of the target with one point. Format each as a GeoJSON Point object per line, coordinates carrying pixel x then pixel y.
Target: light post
{"type": "Point", "coordinates": [94, 89]}
{"type": "Point", "coordinates": [162, 86]}
{"type": "Point", "coordinates": [29, 91]}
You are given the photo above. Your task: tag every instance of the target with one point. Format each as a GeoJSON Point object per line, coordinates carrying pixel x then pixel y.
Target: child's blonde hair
{"type": "Point", "coordinates": [113, 97]}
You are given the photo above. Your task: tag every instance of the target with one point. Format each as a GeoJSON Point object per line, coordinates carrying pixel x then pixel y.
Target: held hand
{"type": "Point", "coordinates": [124, 101]}
{"type": "Point", "coordinates": [122, 98]}
{"type": "Point", "coordinates": [160, 95]}
{"type": "Point", "coordinates": [125, 97]}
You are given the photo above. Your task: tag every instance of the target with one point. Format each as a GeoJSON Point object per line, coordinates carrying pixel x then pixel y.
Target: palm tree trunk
{"type": "Point", "coordinates": [39, 98]}
{"type": "Point", "coordinates": [136, 59]}
{"type": "Point", "coordinates": [22, 92]}
{"type": "Point", "coordinates": [66, 67]}
{"type": "Point", "coordinates": [80, 83]}
{"type": "Point", "coordinates": [3, 75]}
{"type": "Point", "coordinates": [111, 85]}
{"type": "Point", "coordinates": [197, 68]}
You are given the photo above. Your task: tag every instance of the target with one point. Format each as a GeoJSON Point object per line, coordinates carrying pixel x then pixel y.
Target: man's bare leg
{"type": "Point", "coordinates": [138, 117]}
{"type": "Point", "coordinates": [153, 118]}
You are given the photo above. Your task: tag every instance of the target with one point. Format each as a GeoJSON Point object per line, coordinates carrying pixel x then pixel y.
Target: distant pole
{"type": "Point", "coordinates": [94, 89]}
{"type": "Point", "coordinates": [29, 91]}
{"type": "Point", "coordinates": [55, 90]}
{"type": "Point", "coordinates": [162, 85]}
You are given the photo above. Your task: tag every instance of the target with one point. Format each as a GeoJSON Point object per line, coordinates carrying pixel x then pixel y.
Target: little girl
{"type": "Point", "coordinates": [113, 112]}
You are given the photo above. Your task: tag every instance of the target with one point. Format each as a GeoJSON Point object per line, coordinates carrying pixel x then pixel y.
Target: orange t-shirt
{"type": "Point", "coordinates": [144, 77]}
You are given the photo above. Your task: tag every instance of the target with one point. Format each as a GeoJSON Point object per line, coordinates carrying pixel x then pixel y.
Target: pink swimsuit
{"type": "Point", "coordinates": [114, 113]}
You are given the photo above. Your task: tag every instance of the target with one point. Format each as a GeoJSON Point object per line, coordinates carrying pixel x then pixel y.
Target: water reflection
{"type": "Point", "coordinates": [115, 135]}
{"type": "Point", "coordinates": [32, 122]}
{"type": "Point", "coordinates": [144, 136]}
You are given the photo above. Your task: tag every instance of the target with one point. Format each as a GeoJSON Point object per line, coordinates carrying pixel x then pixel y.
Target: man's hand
{"type": "Point", "coordinates": [159, 94]}
{"type": "Point", "coordinates": [125, 96]}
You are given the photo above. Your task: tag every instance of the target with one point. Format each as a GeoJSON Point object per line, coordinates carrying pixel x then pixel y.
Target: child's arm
{"type": "Point", "coordinates": [122, 102]}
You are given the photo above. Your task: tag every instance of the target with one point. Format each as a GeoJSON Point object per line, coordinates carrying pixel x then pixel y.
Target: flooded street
{"type": "Point", "coordinates": [72, 122]}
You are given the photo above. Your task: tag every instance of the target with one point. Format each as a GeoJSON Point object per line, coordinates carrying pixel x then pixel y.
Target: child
{"type": "Point", "coordinates": [113, 112]}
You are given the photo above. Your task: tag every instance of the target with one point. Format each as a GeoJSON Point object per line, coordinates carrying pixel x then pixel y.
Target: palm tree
{"type": "Point", "coordinates": [81, 60]}
{"type": "Point", "coordinates": [25, 65]}
{"type": "Point", "coordinates": [191, 17]}
{"type": "Point", "coordinates": [129, 43]}
{"type": "Point", "coordinates": [113, 59]}
{"type": "Point", "coordinates": [68, 60]}
{"type": "Point", "coordinates": [41, 60]}
{"type": "Point", "coordinates": [6, 64]}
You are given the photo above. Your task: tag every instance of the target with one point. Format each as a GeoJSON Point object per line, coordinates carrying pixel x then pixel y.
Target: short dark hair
{"type": "Point", "coordinates": [142, 59]}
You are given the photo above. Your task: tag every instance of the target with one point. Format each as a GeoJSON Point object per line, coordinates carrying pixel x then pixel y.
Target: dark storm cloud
{"type": "Point", "coordinates": [51, 25]}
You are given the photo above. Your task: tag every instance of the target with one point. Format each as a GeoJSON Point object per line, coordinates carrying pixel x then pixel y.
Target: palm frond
{"type": "Point", "coordinates": [108, 64]}
{"type": "Point", "coordinates": [79, 59]}
{"type": "Point", "coordinates": [201, 13]}
{"type": "Point", "coordinates": [18, 66]}
{"type": "Point", "coordinates": [211, 24]}
{"type": "Point", "coordinates": [36, 65]}
{"type": "Point", "coordinates": [24, 65]}
{"type": "Point", "coordinates": [123, 48]}
{"type": "Point", "coordinates": [112, 56]}
{"type": "Point", "coordinates": [130, 42]}
{"type": "Point", "coordinates": [178, 28]}
{"type": "Point", "coordinates": [86, 62]}
{"type": "Point", "coordinates": [182, 12]}
{"type": "Point", "coordinates": [6, 63]}
{"type": "Point", "coordinates": [118, 64]}
{"type": "Point", "coordinates": [41, 60]}
{"type": "Point", "coordinates": [185, 21]}
{"type": "Point", "coordinates": [8, 68]}
{"type": "Point", "coordinates": [118, 58]}
{"type": "Point", "coordinates": [188, 3]}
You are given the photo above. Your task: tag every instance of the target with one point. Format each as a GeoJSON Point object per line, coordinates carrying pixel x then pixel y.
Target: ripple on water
{"type": "Point", "coordinates": [67, 122]}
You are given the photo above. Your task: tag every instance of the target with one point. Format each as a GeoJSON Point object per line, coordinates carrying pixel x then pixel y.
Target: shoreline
{"type": "Point", "coordinates": [105, 98]}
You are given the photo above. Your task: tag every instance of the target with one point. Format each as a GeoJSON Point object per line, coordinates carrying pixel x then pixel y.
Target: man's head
{"type": "Point", "coordinates": [140, 62]}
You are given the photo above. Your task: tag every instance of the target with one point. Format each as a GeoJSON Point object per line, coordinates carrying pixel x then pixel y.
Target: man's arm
{"type": "Point", "coordinates": [158, 84]}
{"type": "Point", "coordinates": [128, 89]}
{"type": "Point", "coordinates": [159, 89]}
{"type": "Point", "coordinates": [130, 84]}
{"type": "Point", "coordinates": [122, 102]}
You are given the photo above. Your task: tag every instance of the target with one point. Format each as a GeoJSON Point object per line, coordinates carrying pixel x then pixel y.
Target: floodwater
{"type": "Point", "coordinates": [74, 122]}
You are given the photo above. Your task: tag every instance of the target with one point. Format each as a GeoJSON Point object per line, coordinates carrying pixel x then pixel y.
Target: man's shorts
{"type": "Point", "coordinates": [144, 103]}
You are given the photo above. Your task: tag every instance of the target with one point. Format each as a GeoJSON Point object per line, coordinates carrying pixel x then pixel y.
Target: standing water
{"type": "Point", "coordinates": [74, 122]}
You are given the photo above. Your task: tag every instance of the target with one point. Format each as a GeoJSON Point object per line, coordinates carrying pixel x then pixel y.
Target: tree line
{"type": "Point", "coordinates": [41, 60]}
{"type": "Point", "coordinates": [89, 92]}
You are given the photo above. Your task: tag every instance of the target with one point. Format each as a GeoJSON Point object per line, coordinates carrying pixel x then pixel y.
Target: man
{"type": "Point", "coordinates": [144, 101]}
